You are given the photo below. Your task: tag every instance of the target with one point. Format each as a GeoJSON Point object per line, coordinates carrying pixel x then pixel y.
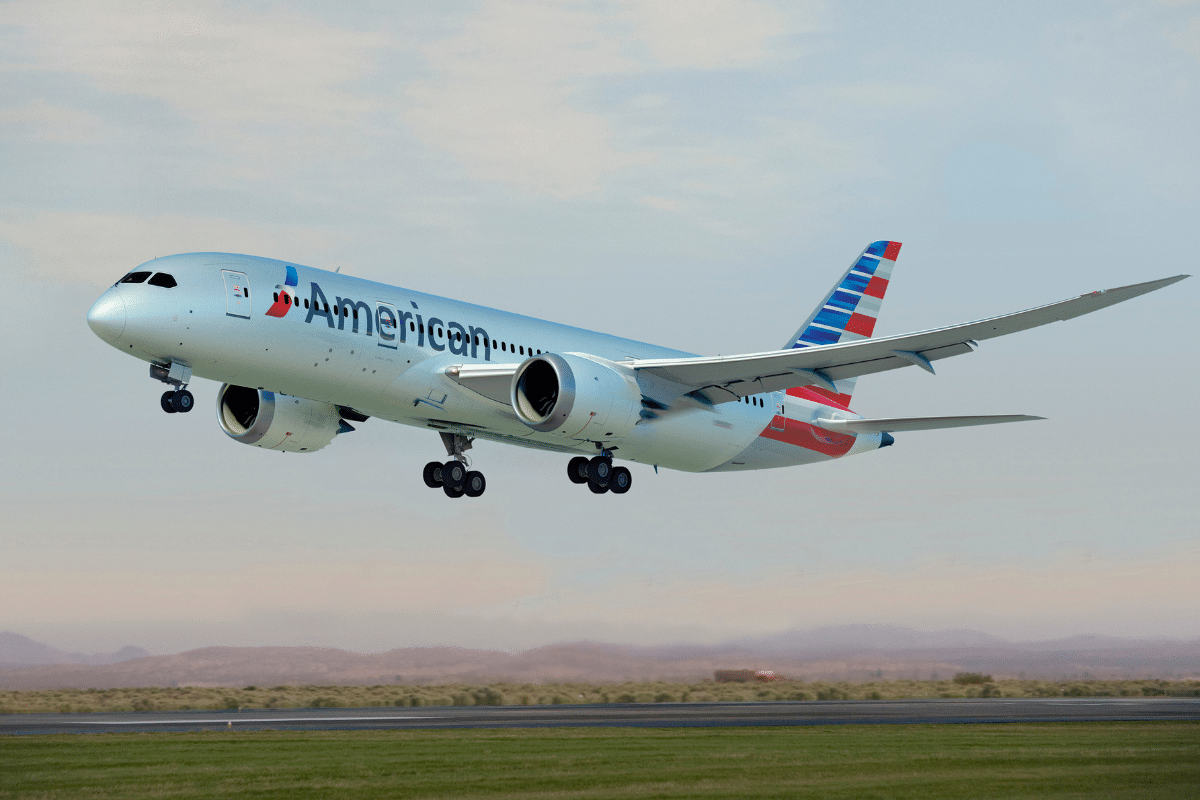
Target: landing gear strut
{"type": "Point", "coordinates": [179, 400]}
{"type": "Point", "coordinates": [455, 477]}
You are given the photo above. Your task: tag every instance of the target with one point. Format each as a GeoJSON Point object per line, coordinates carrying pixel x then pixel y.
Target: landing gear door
{"type": "Point", "coordinates": [237, 294]}
{"type": "Point", "coordinates": [387, 324]}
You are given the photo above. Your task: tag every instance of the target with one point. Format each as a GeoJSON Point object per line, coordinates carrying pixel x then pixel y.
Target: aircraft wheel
{"type": "Point", "coordinates": [452, 491]}
{"type": "Point", "coordinates": [598, 488]}
{"type": "Point", "coordinates": [620, 481]}
{"type": "Point", "coordinates": [182, 401]}
{"type": "Point", "coordinates": [432, 474]}
{"type": "Point", "coordinates": [600, 470]}
{"type": "Point", "coordinates": [167, 405]}
{"type": "Point", "coordinates": [577, 469]}
{"type": "Point", "coordinates": [474, 484]}
{"type": "Point", "coordinates": [454, 473]}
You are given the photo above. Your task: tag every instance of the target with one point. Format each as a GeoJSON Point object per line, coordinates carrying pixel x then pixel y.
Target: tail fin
{"type": "Point", "coordinates": [847, 313]}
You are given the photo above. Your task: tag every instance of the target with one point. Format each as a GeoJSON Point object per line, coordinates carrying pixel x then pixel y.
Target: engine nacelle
{"type": "Point", "coordinates": [575, 397]}
{"type": "Point", "coordinates": [277, 421]}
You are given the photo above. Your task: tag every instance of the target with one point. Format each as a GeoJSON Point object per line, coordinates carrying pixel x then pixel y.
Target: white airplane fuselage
{"type": "Point", "coordinates": [386, 354]}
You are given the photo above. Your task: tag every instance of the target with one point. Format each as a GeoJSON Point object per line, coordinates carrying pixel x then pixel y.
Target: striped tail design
{"type": "Point", "coordinates": [847, 313]}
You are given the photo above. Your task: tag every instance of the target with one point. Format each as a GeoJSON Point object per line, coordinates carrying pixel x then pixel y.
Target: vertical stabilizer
{"type": "Point", "coordinates": [847, 313]}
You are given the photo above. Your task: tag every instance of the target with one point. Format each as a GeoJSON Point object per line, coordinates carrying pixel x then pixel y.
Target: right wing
{"type": "Point", "coordinates": [903, 424]}
{"type": "Point", "coordinates": [726, 378]}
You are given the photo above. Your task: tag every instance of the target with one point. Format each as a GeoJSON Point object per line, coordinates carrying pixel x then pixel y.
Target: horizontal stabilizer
{"type": "Point", "coordinates": [903, 424]}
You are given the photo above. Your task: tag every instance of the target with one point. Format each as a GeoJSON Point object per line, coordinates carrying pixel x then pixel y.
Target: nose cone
{"type": "Point", "coordinates": [107, 317]}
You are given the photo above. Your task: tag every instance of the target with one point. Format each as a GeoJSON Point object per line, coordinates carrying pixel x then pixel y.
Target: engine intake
{"type": "Point", "coordinates": [277, 421]}
{"type": "Point", "coordinates": [575, 397]}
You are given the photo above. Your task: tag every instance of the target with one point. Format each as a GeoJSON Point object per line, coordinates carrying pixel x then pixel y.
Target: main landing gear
{"type": "Point", "coordinates": [599, 474]}
{"type": "Point", "coordinates": [178, 400]}
{"type": "Point", "coordinates": [455, 476]}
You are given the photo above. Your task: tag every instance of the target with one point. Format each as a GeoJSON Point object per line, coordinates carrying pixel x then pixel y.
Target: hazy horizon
{"type": "Point", "coordinates": [691, 174]}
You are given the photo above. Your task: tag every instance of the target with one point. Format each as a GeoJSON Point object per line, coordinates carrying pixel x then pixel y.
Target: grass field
{"type": "Point", "coordinates": [1063, 760]}
{"type": "Point", "coordinates": [195, 697]}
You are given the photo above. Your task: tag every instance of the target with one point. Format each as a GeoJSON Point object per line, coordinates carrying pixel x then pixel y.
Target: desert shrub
{"type": "Point", "coordinates": [832, 693]}
{"type": "Point", "coordinates": [990, 690]}
{"type": "Point", "coordinates": [875, 695]}
{"type": "Point", "coordinates": [626, 698]}
{"type": "Point", "coordinates": [799, 696]}
{"type": "Point", "coordinates": [463, 699]}
{"type": "Point", "coordinates": [664, 697]}
{"type": "Point", "coordinates": [487, 696]}
{"type": "Point", "coordinates": [230, 702]}
{"type": "Point", "coordinates": [1046, 690]}
{"type": "Point", "coordinates": [1153, 691]}
{"type": "Point", "coordinates": [559, 700]}
{"type": "Point", "coordinates": [143, 704]}
{"type": "Point", "coordinates": [966, 678]}
{"type": "Point", "coordinates": [1077, 690]}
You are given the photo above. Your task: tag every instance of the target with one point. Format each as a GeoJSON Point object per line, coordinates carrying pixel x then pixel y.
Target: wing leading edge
{"type": "Point", "coordinates": [726, 378]}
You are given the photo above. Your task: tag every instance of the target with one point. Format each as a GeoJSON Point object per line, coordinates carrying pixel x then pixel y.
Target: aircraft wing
{"type": "Point", "coordinates": [904, 424]}
{"type": "Point", "coordinates": [726, 378]}
{"type": "Point", "coordinates": [493, 381]}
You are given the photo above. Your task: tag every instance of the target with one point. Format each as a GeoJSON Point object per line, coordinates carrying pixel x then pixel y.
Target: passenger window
{"type": "Point", "coordinates": [522, 349]}
{"type": "Point", "coordinates": [306, 304]}
{"type": "Point", "coordinates": [135, 277]}
{"type": "Point", "coordinates": [412, 326]}
{"type": "Point", "coordinates": [164, 280]}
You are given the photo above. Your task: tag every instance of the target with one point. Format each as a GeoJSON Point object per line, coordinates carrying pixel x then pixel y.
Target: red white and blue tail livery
{"type": "Point", "coordinates": [325, 350]}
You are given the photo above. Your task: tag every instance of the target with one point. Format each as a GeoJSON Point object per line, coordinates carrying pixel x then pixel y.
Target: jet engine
{"type": "Point", "coordinates": [277, 421]}
{"type": "Point", "coordinates": [576, 397]}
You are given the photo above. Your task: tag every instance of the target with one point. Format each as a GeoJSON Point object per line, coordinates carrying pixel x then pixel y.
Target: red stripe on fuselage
{"type": "Point", "coordinates": [822, 396]}
{"type": "Point", "coordinates": [810, 437]}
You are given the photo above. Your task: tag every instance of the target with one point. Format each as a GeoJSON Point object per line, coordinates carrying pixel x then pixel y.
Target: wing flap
{"type": "Point", "coordinates": [904, 424]}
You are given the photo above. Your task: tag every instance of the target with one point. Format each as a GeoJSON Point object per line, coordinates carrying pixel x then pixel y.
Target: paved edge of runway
{"type": "Point", "coordinates": [649, 715]}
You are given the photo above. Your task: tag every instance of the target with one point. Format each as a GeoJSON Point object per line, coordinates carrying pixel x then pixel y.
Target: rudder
{"type": "Point", "coordinates": [847, 313]}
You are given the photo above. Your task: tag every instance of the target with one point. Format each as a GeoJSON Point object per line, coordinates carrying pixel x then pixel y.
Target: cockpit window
{"type": "Point", "coordinates": [135, 277]}
{"type": "Point", "coordinates": [164, 280]}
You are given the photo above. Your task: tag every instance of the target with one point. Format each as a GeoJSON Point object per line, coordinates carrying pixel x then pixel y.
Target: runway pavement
{"type": "Point", "coordinates": [648, 715]}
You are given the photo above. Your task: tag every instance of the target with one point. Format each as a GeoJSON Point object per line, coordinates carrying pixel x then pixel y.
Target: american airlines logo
{"type": "Point", "coordinates": [391, 325]}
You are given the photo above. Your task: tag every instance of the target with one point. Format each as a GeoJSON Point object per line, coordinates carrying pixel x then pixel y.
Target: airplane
{"type": "Point", "coordinates": [302, 353]}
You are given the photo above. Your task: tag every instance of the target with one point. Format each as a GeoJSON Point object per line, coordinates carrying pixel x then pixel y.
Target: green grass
{"type": "Point", "coordinates": [399, 694]}
{"type": "Point", "coordinates": [1063, 760]}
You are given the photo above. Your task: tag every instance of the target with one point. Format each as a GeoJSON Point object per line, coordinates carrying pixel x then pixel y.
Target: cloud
{"type": "Point", "coordinates": [206, 59]}
{"type": "Point", "coordinates": [506, 94]}
{"type": "Point", "coordinates": [42, 121]}
{"type": "Point", "coordinates": [68, 247]}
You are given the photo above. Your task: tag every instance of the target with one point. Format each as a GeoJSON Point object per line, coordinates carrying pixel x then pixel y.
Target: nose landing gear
{"type": "Point", "coordinates": [455, 476]}
{"type": "Point", "coordinates": [179, 400]}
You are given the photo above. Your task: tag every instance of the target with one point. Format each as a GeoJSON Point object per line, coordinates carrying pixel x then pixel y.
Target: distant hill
{"type": "Point", "coordinates": [21, 651]}
{"type": "Point", "coordinates": [855, 652]}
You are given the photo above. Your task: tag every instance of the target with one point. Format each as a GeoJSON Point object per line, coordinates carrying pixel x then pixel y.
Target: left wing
{"type": "Point", "coordinates": [726, 378]}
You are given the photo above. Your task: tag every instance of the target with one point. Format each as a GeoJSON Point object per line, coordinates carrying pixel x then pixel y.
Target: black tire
{"type": "Point", "coordinates": [577, 469]}
{"type": "Point", "coordinates": [432, 474]}
{"type": "Point", "coordinates": [167, 405]}
{"type": "Point", "coordinates": [620, 481]}
{"type": "Point", "coordinates": [454, 474]}
{"type": "Point", "coordinates": [475, 483]}
{"type": "Point", "coordinates": [598, 488]}
{"type": "Point", "coordinates": [451, 491]}
{"type": "Point", "coordinates": [600, 470]}
{"type": "Point", "coordinates": [182, 401]}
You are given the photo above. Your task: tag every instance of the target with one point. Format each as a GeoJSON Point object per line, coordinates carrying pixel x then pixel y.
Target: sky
{"type": "Point", "coordinates": [694, 174]}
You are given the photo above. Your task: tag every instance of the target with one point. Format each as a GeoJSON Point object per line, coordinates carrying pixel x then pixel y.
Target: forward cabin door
{"type": "Point", "coordinates": [237, 294]}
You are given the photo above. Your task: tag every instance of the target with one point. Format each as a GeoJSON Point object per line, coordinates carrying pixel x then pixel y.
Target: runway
{"type": "Point", "coordinates": [648, 715]}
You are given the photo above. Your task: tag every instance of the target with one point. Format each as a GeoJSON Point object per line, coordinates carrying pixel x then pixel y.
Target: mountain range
{"type": "Point", "coordinates": [849, 652]}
